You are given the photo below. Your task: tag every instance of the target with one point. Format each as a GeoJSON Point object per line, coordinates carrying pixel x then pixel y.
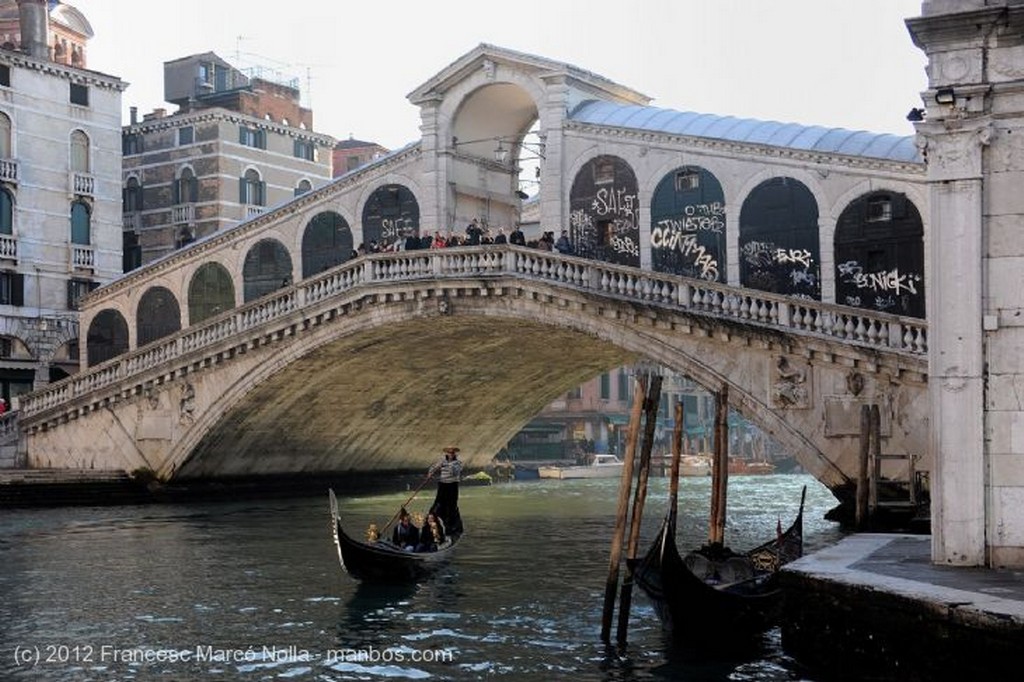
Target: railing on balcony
{"type": "Point", "coordinates": [185, 214]}
{"type": "Point", "coordinates": [83, 256]}
{"type": "Point", "coordinates": [8, 247]}
{"type": "Point", "coordinates": [83, 183]}
{"type": "Point", "coordinates": [8, 170]}
{"type": "Point", "coordinates": [130, 221]}
{"type": "Point", "coordinates": [253, 211]}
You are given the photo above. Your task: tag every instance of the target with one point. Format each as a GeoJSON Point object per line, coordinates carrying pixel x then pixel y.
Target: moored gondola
{"type": "Point", "coordinates": [713, 594]}
{"type": "Point", "coordinates": [382, 560]}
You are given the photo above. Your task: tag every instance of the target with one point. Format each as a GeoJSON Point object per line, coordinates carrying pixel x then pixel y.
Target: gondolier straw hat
{"type": "Point", "coordinates": [451, 449]}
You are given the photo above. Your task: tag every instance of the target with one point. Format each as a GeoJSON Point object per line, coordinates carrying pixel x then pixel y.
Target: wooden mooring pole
{"type": "Point", "coordinates": [625, 483]}
{"type": "Point", "coordinates": [677, 453]}
{"type": "Point", "coordinates": [720, 468]}
{"type": "Point", "coordinates": [650, 420]}
{"type": "Point", "coordinates": [861, 514]}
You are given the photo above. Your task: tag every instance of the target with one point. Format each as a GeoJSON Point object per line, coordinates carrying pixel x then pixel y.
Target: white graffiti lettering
{"type": "Point", "coordinates": [758, 254]}
{"type": "Point", "coordinates": [611, 201]}
{"type": "Point", "coordinates": [392, 228]}
{"type": "Point", "coordinates": [581, 220]}
{"type": "Point", "coordinates": [799, 256]}
{"type": "Point", "coordinates": [887, 281]}
{"type": "Point", "coordinates": [694, 224]}
{"type": "Point", "coordinates": [686, 244]}
{"type": "Point", "coordinates": [620, 244]}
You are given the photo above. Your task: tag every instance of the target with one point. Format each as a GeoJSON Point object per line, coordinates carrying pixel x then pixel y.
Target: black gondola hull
{"type": "Point", "coordinates": [698, 610]}
{"type": "Point", "coordinates": [382, 561]}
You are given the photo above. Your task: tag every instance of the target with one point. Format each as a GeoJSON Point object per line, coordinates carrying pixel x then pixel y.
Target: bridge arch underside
{"type": "Point", "coordinates": [401, 380]}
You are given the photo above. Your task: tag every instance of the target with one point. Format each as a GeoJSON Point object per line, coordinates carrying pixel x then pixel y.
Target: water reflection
{"type": "Point", "coordinates": [521, 598]}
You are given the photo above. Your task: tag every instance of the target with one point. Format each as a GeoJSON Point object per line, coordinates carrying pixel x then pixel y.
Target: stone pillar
{"type": "Point", "coordinates": [974, 119]}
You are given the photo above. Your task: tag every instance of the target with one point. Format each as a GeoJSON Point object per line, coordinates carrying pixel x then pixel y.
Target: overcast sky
{"type": "Point", "coordinates": [837, 63]}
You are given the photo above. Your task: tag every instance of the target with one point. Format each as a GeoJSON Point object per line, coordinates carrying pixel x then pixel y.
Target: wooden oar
{"type": "Point", "coordinates": [411, 497]}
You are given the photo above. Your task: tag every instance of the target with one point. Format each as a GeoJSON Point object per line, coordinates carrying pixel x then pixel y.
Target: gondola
{"type": "Point", "coordinates": [713, 594]}
{"type": "Point", "coordinates": [382, 561]}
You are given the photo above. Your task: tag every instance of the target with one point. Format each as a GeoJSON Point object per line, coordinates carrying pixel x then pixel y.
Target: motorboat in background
{"type": "Point", "coordinates": [601, 466]}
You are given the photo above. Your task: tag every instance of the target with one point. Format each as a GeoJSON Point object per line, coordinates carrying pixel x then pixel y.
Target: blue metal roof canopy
{"type": "Point", "coordinates": [790, 135]}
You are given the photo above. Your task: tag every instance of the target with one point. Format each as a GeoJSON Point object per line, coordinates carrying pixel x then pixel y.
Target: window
{"type": "Point", "coordinates": [186, 187]}
{"type": "Point", "coordinates": [132, 196]}
{"type": "Point", "coordinates": [880, 209]}
{"type": "Point", "coordinates": [687, 180]}
{"type": "Point", "coordinates": [131, 251]}
{"type": "Point", "coordinates": [6, 212]}
{"type": "Point", "coordinates": [353, 162]}
{"type": "Point", "coordinates": [575, 394]}
{"type": "Point", "coordinates": [6, 347]}
{"type": "Point", "coordinates": [303, 187]}
{"type": "Point", "coordinates": [12, 288]}
{"type": "Point", "coordinates": [79, 94]}
{"type": "Point", "coordinates": [252, 190]}
{"type": "Point", "coordinates": [604, 172]}
{"type": "Point", "coordinates": [5, 136]}
{"type": "Point", "coordinates": [79, 152]}
{"type": "Point", "coordinates": [304, 150]}
{"type": "Point", "coordinates": [5, 76]}
{"type": "Point", "coordinates": [77, 288]}
{"type": "Point", "coordinates": [623, 385]}
{"type": "Point", "coordinates": [185, 135]}
{"type": "Point", "coordinates": [80, 223]}
{"type": "Point", "coordinates": [606, 386]}
{"type": "Point", "coordinates": [131, 143]}
{"type": "Point", "coordinates": [252, 137]}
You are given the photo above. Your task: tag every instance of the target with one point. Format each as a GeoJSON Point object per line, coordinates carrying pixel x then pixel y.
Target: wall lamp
{"type": "Point", "coordinates": [501, 152]}
{"type": "Point", "coordinates": [945, 96]}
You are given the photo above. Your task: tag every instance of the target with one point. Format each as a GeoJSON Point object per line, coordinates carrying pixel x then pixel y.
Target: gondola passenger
{"type": "Point", "coordinates": [405, 534]}
{"type": "Point", "coordinates": [432, 536]}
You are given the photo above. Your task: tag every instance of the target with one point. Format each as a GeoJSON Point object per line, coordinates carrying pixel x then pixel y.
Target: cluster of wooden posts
{"type": "Point", "coordinates": [869, 471]}
{"type": "Point", "coordinates": [647, 398]}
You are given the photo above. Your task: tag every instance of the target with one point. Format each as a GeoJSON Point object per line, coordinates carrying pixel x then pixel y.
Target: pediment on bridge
{"type": "Point", "coordinates": [487, 58]}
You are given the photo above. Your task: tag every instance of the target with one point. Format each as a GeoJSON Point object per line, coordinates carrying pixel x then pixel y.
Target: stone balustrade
{"type": "Point", "coordinates": [889, 333]}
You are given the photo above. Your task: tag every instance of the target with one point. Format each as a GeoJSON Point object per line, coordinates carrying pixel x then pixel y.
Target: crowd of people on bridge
{"type": "Point", "coordinates": [474, 235]}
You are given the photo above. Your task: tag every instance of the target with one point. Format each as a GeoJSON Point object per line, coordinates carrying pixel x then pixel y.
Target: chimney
{"type": "Point", "coordinates": [133, 112]}
{"type": "Point", "coordinates": [35, 24]}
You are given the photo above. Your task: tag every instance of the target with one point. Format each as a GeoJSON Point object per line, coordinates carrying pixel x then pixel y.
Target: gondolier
{"type": "Point", "coordinates": [446, 503]}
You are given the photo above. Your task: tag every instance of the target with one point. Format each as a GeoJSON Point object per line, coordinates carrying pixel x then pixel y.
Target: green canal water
{"type": "Point", "coordinates": [254, 591]}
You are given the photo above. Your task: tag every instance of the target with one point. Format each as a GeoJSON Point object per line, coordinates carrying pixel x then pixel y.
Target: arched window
{"type": "Point", "coordinates": [79, 152]}
{"type": "Point", "coordinates": [80, 223]}
{"type": "Point", "coordinates": [326, 242]}
{"type": "Point", "coordinates": [5, 136]}
{"type": "Point", "coordinates": [158, 315]}
{"type": "Point", "coordinates": [6, 212]}
{"type": "Point", "coordinates": [186, 187]}
{"type": "Point", "coordinates": [252, 190]}
{"type": "Point", "coordinates": [268, 267]}
{"type": "Point", "coordinates": [303, 187]}
{"type": "Point", "coordinates": [132, 195]}
{"type": "Point", "coordinates": [778, 246]}
{"type": "Point", "coordinates": [391, 214]}
{"type": "Point", "coordinates": [210, 292]}
{"type": "Point", "coordinates": [604, 212]}
{"type": "Point", "coordinates": [688, 224]}
{"type": "Point", "coordinates": [107, 338]}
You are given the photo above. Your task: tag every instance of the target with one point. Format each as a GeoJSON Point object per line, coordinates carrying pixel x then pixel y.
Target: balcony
{"type": "Point", "coordinates": [83, 184]}
{"type": "Point", "coordinates": [130, 222]}
{"type": "Point", "coordinates": [83, 257]}
{"type": "Point", "coordinates": [185, 214]}
{"type": "Point", "coordinates": [8, 247]}
{"type": "Point", "coordinates": [253, 211]}
{"type": "Point", "coordinates": [8, 170]}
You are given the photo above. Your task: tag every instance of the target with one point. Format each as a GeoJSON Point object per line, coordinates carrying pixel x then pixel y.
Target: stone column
{"type": "Point", "coordinates": [975, 115]}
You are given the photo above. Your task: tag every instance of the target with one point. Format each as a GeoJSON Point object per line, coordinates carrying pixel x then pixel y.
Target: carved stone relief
{"type": "Point", "coordinates": [187, 404]}
{"type": "Point", "coordinates": [790, 388]}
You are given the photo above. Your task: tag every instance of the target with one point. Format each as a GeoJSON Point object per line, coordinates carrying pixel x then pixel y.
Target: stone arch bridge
{"type": "Point", "coordinates": [381, 361]}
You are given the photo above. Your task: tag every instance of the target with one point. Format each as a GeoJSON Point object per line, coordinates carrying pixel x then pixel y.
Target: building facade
{"type": "Point", "coordinates": [351, 154]}
{"type": "Point", "coordinates": [236, 145]}
{"type": "Point", "coordinates": [60, 204]}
